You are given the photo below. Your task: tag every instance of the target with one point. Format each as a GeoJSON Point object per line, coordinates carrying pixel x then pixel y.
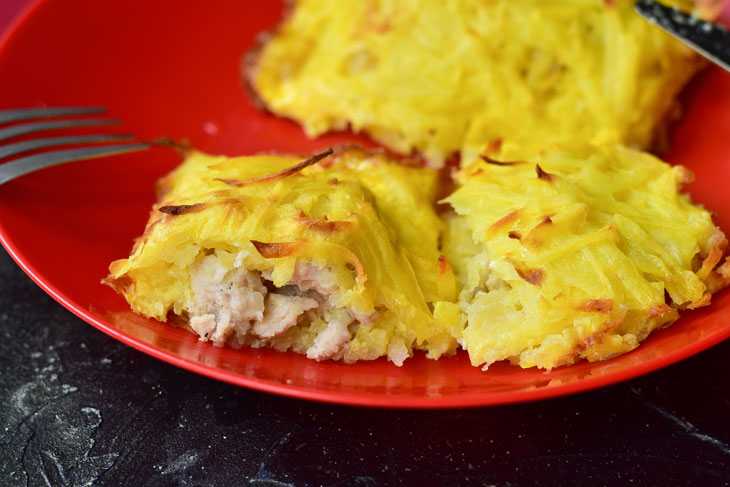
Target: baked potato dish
{"type": "Point", "coordinates": [334, 256]}
{"type": "Point", "coordinates": [577, 253]}
{"type": "Point", "coordinates": [441, 77]}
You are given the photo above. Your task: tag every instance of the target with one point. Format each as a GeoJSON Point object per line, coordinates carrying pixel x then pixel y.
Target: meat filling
{"type": "Point", "coordinates": [236, 302]}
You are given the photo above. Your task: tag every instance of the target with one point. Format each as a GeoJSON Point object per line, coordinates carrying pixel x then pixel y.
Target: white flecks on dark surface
{"type": "Point", "coordinates": [688, 427]}
{"type": "Point", "coordinates": [183, 462]}
{"type": "Point", "coordinates": [79, 408]}
{"type": "Point", "coordinates": [56, 434]}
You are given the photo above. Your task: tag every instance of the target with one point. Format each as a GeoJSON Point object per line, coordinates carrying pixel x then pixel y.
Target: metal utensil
{"type": "Point", "coordinates": [710, 40]}
{"type": "Point", "coordinates": [19, 167]}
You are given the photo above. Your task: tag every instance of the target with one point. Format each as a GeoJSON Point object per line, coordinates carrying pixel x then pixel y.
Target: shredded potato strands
{"type": "Point", "coordinates": [452, 76]}
{"type": "Point", "coordinates": [577, 254]}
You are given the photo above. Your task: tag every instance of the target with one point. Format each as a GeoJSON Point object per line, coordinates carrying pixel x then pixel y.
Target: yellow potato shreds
{"type": "Point", "coordinates": [442, 77]}
{"type": "Point", "coordinates": [577, 253]}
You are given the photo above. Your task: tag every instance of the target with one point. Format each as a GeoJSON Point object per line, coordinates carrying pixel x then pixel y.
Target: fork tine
{"type": "Point", "coordinates": [18, 114]}
{"type": "Point", "coordinates": [33, 144]}
{"type": "Point", "coordinates": [28, 128]}
{"type": "Point", "coordinates": [19, 167]}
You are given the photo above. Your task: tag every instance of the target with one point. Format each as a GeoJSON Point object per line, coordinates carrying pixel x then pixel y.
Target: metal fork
{"type": "Point", "coordinates": [9, 129]}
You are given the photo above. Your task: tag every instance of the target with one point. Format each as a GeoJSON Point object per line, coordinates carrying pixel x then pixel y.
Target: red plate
{"type": "Point", "coordinates": [174, 71]}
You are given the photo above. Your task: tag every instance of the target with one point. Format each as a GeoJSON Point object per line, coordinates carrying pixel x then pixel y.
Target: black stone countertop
{"type": "Point", "coordinates": [79, 408]}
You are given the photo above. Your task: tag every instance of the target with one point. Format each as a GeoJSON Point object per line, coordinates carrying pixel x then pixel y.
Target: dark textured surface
{"type": "Point", "coordinates": [79, 408]}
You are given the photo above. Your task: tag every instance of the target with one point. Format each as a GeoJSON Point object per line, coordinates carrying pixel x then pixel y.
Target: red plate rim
{"type": "Point", "coordinates": [359, 399]}
{"type": "Point", "coordinates": [350, 398]}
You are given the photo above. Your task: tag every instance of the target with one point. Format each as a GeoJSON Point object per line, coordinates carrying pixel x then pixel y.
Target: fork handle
{"type": "Point", "coordinates": [710, 40]}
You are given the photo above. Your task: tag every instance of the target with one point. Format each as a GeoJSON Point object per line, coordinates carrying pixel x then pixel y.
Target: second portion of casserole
{"type": "Point", "coordinates": [577, 254]}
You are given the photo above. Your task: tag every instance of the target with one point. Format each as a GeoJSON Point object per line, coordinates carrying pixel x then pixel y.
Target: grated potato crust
{"type": "Point", "coordinates": [577, 253]}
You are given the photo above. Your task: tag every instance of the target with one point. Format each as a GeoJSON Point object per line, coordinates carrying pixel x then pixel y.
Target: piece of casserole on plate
{"type": "Point", "coordinates": [334, 256]}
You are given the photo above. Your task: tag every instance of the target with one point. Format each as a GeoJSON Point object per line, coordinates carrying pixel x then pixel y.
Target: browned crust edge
{"type": "Point", "coordinates": [443, 266]}
{"type": "Point", "coordinates": [495, 162]}
{"type": "Point", "coordinates": [321, 224]}
{"type": "Point", "coordinates": [250, 59]}
{"type": "Point", "coordinates": [249, 68]}
{"type": "Point", "coordinates": [313, 159]}
{"type": "Point", "coordinates": [181, 209]}
{"type": "Point", "coordinates": [275, 250]}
